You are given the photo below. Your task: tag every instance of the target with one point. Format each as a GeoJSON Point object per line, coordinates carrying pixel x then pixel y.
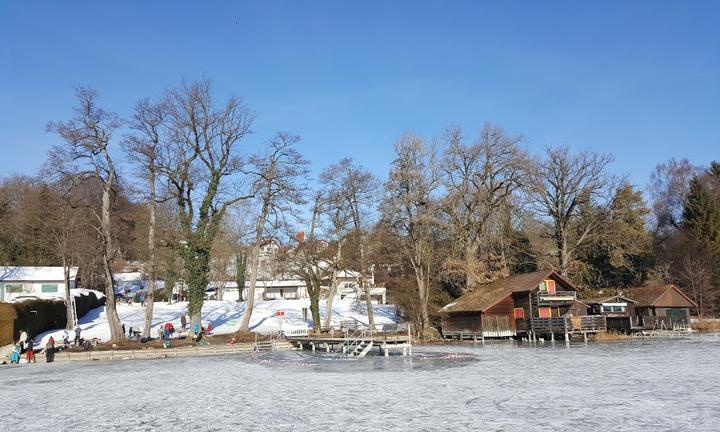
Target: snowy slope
{"type": "Point", "coordinates": [225, 316]}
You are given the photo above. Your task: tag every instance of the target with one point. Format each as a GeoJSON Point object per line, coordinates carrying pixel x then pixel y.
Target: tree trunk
{"type": "Point", "coordinates": [69, 303]}
{"type": "Point", "coordinates": [197, 267]}
{"type": "Point", "coordinates": [259, 229]}
{"type": "Point", "coordinates": [245, 323]}
{"type": "Point", "coordinates": [471, 250]}
{"type": "Point", "coordinates": [315, 305]}
{"type": "Point", "coordinates": [116, 332]}
{"type": "Point", "coordinates": [333, 288]}
{"type": "Point", "coordinates": [363, 287]}
{"type": "Point", "coordinates": [240, 269]}
{"type": "Point", "coordinates": [563, 258]}
{"type": "Point", "coordinates": [423, 289]}
{"type": "Point", "coordinates": [150, 295]}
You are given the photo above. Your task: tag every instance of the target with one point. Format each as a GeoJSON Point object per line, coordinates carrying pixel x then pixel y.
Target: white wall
{"type": "Point", "coordinates": [33, 289]}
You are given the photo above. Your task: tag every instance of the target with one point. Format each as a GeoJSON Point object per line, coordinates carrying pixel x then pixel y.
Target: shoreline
{"type": "Point", "coordinates": [162, 353]}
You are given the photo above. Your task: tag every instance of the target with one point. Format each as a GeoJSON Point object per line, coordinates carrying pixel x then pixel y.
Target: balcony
{"type": "Point", "coordinates": [548, 298]}
{"type": "Point", "coordinates": [578, 324]}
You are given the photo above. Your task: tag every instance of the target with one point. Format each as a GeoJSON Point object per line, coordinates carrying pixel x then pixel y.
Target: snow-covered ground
{"type": "Point", "coordinates": [225, 316]}
{"type": "Point", "coordinates": [658, 385]}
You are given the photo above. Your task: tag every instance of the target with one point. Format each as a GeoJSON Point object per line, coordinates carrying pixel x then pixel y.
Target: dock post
{"type": "Point", "coordinates": [552, 337]}
{"type": "Point", "coordinates": [312, 346]}
{"type": "Point", "coordinates": [567, 337]}
{"type": "Point", "coordinates": [585, 336]}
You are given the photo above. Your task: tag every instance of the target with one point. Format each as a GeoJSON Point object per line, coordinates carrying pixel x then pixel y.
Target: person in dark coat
{"type": "Point", "coordinates": [77, 335]}
{"type": "Point", "coordinates": [50, 350]}
{"type": "Point", "coordinates": [183, 321]}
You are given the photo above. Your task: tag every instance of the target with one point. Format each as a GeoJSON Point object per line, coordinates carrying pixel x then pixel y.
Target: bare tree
{"type": "Point", "coordinates": [352, 190]}
{"type": "Point", "coordinates": [334, 205]}
{"type": "Point", "coordinates": [62, 222]}
{"type": "Point", "coordinates": [278, 185]}
{"type": "Point", "coordinates": [85, 154]}
{"type": "Point", "coordinates": [201, 166]}
{"type": "Point", "coordinates": [142, 148]}
{"type": "Point", "coordinates": [560, 186]}
{"type": "Point", "coordinates": [312, 260]}
{"type": "Point", "coordinates": [410, 210]}
{"type": "Point", "coordinates": [669, 184]}
{"type": "Point", "coordinates": [479, 178]}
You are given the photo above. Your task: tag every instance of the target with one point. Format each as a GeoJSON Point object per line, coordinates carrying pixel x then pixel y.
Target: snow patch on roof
{"type": "Point", "coordinates": [35, 274]}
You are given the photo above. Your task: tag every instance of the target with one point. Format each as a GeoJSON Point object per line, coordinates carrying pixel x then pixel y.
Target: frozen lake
{"type": "Point", "coordinates": [655, 385]}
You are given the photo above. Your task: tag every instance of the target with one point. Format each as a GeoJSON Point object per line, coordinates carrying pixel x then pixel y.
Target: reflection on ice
{"type": "Point", "coordinates": [330, 362]}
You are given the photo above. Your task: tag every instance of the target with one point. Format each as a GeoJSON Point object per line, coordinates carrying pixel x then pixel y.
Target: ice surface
{"type": "Point", "coordinates": [659, 385]}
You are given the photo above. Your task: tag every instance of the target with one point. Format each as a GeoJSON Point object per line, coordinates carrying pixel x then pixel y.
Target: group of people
{"type": "Point", "coordinates": [166, 331]}
{"type": "Point", "coordinates": [26, 345]}
{"type": "Point", "coordinates": [128, 298]}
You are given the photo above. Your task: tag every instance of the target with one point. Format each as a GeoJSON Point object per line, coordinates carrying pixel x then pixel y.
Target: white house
{"type": "Point", "coordinates": [348, 283]}
{"type": "Point", "coordinates": [278, 289]}
{"type": "Point", "coordinates": [46, 282]}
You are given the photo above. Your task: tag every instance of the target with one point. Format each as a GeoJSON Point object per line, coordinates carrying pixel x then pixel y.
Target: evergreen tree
{"type": "Point", "coordinates": [701, 213]}
{"type": "Point", "coordinates": [622, 254]}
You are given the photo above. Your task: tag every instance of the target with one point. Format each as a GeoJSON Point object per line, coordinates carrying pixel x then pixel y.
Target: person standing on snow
{"type": "Point", "coordinates": [66, 338]}
{"type": "Point", "coordinates": [30, 355]}
{"type": "Point", "coordinates": [183, 322]}
{"type": "Point", "coordinates": [15, 356]}
{"type": "Point", "coordinates": [50, 350]}
{"type": "Point", "coordinates": [78, 330]}
{"type": "Point", "coordinates": [23, 340]}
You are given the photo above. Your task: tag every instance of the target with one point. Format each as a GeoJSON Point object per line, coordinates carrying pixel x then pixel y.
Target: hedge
{"type": "Point", "coordinates": [7, 318]}
{"type": "Point", "coordinates": [38, 315]}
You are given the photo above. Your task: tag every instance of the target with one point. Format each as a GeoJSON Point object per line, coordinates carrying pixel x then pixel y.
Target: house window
{"type": "Point", "coordinates": [14, 288]}
{"type": "Point", "coordinates": [550, 286]}
{"type": "Point", "coordinates": [606, 308]}
{"type": "Point", "coordinates": [519, 313]}
{"type": "Point", "coordinates": [49, 288]}
{"type": "Point", "coordinates": [544, 312]}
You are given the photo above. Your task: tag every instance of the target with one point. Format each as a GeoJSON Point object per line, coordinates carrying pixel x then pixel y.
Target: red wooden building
{"type": "Point", "coordinates": [537, 303]}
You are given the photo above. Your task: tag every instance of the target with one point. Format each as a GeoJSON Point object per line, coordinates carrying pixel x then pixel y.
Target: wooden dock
{"type": "Point", "coordinates": [356, 343]}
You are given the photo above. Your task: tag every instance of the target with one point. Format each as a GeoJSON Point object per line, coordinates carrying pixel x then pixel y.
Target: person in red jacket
{"type": "Point", "coordinates": [169, 329]}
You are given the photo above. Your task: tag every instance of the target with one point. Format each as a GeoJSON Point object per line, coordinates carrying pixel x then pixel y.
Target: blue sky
{"type": "Point", "coordinates": [640, 80]}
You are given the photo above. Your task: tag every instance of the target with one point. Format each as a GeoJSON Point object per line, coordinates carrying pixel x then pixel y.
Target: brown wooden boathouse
{"type": "Point", "coordinates": [532, 304]}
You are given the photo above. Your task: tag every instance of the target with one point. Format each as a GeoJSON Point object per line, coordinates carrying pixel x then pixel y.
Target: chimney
{"type": "Point", "coordinates": [300, 236]}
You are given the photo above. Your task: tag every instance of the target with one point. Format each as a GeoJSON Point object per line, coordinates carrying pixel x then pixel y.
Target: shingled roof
{"type": "Point", "coordinates": [651, 296]}
{"type": "Point", "coordinates": [487, 295]}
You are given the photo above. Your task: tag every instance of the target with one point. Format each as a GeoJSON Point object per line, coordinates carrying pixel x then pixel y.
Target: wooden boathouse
{"type": "Point", "coordinates": [539, 304]}
{"type": "Point", "coordinates": [651, 308]}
